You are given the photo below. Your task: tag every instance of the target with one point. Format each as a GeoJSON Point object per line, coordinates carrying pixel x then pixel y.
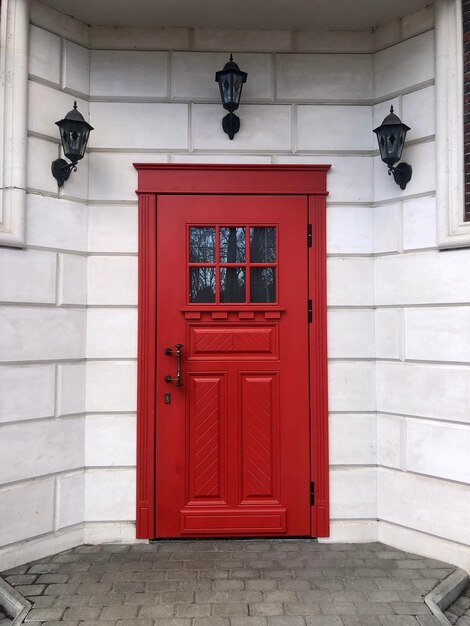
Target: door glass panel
{"type": "Point", "coordinates": [202, 284]}
{"type": "Point", "coordinates": [232, 284]}
{"type": "Point", "coordinates": [232, 245]}
{"type": "Point", "coordinates": [263, 284]}
{"type": "Point", "coordinates": [201, 245]}
{"type": "Point", "coordinates": [263, 245]}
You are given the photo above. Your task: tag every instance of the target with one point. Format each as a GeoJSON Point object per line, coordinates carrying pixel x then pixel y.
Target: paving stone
{"type": "Point", "coordinates": [42, 615]}
{"type": "Point", "coordinates": [230, 609]}
{"type": "Point", "coordinates": [21, 579]}
{"type": "Point", "coordinates": [157, 610]}
{"type": "Point", "coordinates": [266, 608]}
{"type": "Point", "coordinates": [325, 620]}
{"type": "Point", "coordinates": [193, 610]}
{"type": "Point", "coordinates": [119, 612]}
{"type": "Point", "coordinates": [302, 608]}
{"type": "Point", "coordinates": [282, 620]}
{"type": "Point", "coordinates": [398, 620]}
{"type": "Point", "coordinates": [248, 621]}
{"type": "Point", "coordinates": [359, 620]}
{"type": "Point", "coordinates": [410, 608]}
{"type": "Point", "coordinates": [30, 590]}
{"type": "Point", "coordinates": [211, 621]}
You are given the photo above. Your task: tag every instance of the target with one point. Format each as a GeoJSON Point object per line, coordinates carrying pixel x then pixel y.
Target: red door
{"type": "Point", "coordinates": [232, 434]}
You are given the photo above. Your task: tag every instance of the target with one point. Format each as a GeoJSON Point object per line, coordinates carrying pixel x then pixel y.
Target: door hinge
{"type": "Point", "coordinates": [310, 311]}
{"type": "Point", "coordinates": [309, 235]}
{"type": "Point", "coordinates": [312, 493]}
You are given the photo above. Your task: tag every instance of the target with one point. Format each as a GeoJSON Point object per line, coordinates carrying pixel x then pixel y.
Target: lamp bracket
{"type": "Point", "coordinates": [401, 174]}
{"type": "Point", "coordinates": [61, 170]}
{"type": "Point", "coordinates": [231, 124]}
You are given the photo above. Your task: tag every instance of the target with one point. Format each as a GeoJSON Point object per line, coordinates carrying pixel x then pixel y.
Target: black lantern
{"type": "Point", "coordinates": [391, 137]}
{"type": "Point", "coordinates": [231, 80]}
{"type": "Point", "coordinates": [74, 133]}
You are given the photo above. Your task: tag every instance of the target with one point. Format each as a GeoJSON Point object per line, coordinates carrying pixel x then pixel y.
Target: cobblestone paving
{"type": "Point", "coordinates": [230, 583]}
{"type": "Point", "coordinates": [459, 612]}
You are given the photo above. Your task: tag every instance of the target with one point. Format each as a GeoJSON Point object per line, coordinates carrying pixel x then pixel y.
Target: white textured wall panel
{"type": "Point", "coordinates": [20, 383]}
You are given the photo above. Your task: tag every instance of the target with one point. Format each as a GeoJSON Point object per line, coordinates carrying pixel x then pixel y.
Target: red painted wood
{"type": "Point", "coordinates": [232, 179]}
{"type": "Point", "coordinates": [168, 179]}
{"type": "Point", "coordinates": [233, 448]}
{"type": "Point", "coordinates": [146, 368]}
{"type": "Point", "coordinates": [318, 368]}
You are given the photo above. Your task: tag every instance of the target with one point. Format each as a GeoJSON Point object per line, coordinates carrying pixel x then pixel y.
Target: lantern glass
{"type": "Point", "coordinates": [391, 136]}
{"type": "Point", "coordinates": [74, 134]}
{"type": "Point", "coordinates": [231, 80]}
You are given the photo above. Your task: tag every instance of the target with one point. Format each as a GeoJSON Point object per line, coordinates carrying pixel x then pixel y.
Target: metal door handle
{"type": "Point", "coordinates": [179, 357]}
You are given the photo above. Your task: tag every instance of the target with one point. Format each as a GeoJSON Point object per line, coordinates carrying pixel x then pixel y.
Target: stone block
{"type": "Point", "coordinates": [112, 228]}
{"type": "Point", "coordinates": [242, 40]}
{"type": "Point", "coordinates": [138, 126]}
{"type": "Point", "coordinates": [128, 73]}
{"type": "Point", "coordinates": [351, 386]}
{"type": "Point", "coordinates": [72, 279]}
{"type": "Point", "coordinates": [353, 493]}
{"type": "Point", "coordinates": [41, 153]}
{"type": "Point", "coordinates": [352, 439]}
{"type": "Point", "coordinates": [350, 281]}
{"type": "Point", "coordinates": [42, 333]}
{"type": "Point", "coordinates": [389, 440]}
{"type": "Point", "coordinates": [419, 113]}
{"type": "Point", "coordinates": [417, 502]}
{"type": "Point", "coordinates": [324, 77]}
{"type": "Point", "coordinates": [109, 495]}
{"type": "Point", "coordinates": [110, 440]}
{"type": "Point", "coordinates": [36, 439]}
{"type": "Point", "coordinates": [71, 499]}
{"type": "Point", "coordinates": [26, 510]}
{"type": "Point", "coordinates": [349, 230]}
{"type": "Point", "coordinates": [71, 388]}
{"type": "Point", "coordinates": [351, 334]}
{"type": "Point", "coordinates": [56, 223]}
{"type": "Point", "coordinates": [422, 278]}
{"type": "Point", "coordinates": [111, 386]}
{"type": "Point", "coordinates": [387, 228]}
{"type": "Point", "coordinates": [433, 391]}
{"type": "Point", "coordinates": [44, 55]}
{"type": "Point", "coordinates": [404, 65]}
{"type": "Point", "coordinates": [439, 450]}
{"type": "Point", "coordinates": [438, 334]}
{"type": "Point", "coordinates": [336, 41]}
{"type": "Point", "coordinates": [418, 22]}
{"type": "Point", "coordinates": [389, 333]}
{"type": "Point", "coordinates": [42, 98]}
{"type": "Point", "coordinates": [112, 280]}
{"type": "Point", "coordinates": [19, 384]}
{"type": "Point", "coordinates": [419, 223]}
{"type": "Point", "coordinates": [28, 276]}
{"type": "Point", "coordinates": [76, 68]}
{"type": "Point", "coordinates": [334, 128]}
{"type": "Point", "coordinates": [139, 38]}
{"type": "Point", "coordinates": [112, 333]}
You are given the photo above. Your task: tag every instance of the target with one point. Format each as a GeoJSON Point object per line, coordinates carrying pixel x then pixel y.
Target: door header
{"type": "Point", "coordinates": [180, 178]}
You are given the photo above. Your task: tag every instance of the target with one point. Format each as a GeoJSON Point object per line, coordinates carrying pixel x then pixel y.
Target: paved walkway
{"type": "Point", "coordinates": [230, 583]}
{"type": "Point", "coordinates": [459, 612]}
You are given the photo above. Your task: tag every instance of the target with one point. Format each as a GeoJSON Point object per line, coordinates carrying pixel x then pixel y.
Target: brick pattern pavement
{"type": "Point", "coordinates": [230, 583]}
{"type": "Point", "coordinates": [459, 612]}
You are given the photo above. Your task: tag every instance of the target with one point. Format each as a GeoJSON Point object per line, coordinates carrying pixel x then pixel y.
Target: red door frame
{"type": "Point", "coordinates": [157, 179]}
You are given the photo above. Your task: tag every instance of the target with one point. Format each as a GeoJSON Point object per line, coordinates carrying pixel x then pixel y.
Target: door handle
{"type": "Point", "coordinates": [179, 358]}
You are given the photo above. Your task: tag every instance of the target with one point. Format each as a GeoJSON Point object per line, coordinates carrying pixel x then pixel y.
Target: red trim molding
{"type": "Point", "coordinates": [156, 179]}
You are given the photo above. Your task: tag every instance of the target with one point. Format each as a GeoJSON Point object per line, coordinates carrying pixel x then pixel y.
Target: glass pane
{"type": "Point", "coordinates": [202, 284]}
{"type": "Point", "coordinates": [263, 284]}
{"type": "Point", "coordinates": [232, 245]}
{"type": "Point", "coordinates": [202, 245]}
{"type": "Point", "coordinates": [263, 245]}
{"type": "Point", "coordinates": [232, 284]}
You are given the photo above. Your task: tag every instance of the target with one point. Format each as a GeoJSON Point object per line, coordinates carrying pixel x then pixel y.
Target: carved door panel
{"type": "Point", "coordinates": [232, 435]}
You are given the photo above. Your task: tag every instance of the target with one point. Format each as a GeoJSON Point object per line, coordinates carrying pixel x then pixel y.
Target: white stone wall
{"type": "Point", "coordinates": [43, 291]}
{"type": "Point", "coordinates": [398, 346]}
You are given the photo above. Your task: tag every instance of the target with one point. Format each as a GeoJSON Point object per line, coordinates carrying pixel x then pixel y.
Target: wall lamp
{"type": "Point", "coordinates": [74, 133]}
{"type": "Point", "coordinates": [231, 80]}
{"type": "Point", "coordinates": [391, 137]}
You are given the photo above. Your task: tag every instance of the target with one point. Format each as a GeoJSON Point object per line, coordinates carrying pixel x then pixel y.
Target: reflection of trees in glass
{"type": "Point", "coordinates": [202, 284]}
{"type": "Point", "coordinates": [232, 284]}
{"type": "Point", "coordinates": [263, 284]}
{"type": "Point", "coordinates": [232, 245]}
{"type": "Point", "coordinates": [202, 245]}
{"type": "Point", "coordinates": [263, 244]}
